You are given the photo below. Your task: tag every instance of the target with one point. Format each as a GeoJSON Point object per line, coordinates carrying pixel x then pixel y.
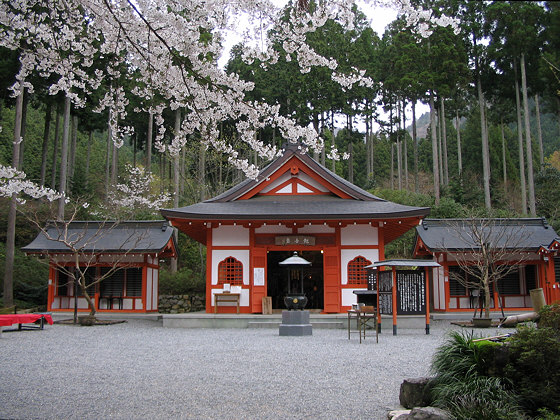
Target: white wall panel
{"type": "Point", "coordinates": [230, 236]}
{"type": "Point", "coordinates": [243, 299]}
{"type": "Point", "coordinates": [149, 288]}
{"type": "Point", "coordinates": [279, 229]}
{"type": "Point", "coordinates": [348, 297]}
{"type": "Point", "coordinates": [347, 255]}
{"type": "Point", "coordinates": [310, 229]}
{"type": "Point", "coordinates": [359, 234]}
{"type": "Point", "coordinates": [242, 255]}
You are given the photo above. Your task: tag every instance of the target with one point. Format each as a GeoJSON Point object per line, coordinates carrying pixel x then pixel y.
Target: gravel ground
{"type": "Point", "coordinates": [139, 370]}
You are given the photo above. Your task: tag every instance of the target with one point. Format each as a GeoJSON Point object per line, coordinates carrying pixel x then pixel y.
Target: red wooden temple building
{"type": "Point", "coordinates": [296, 204]}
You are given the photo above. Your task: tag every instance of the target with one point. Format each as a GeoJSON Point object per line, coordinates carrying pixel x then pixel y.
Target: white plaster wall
{"type": "Point", "coordinates": [56, 303]}
{"type": "Point", "coordinates": [307, 179]}
{"type": "Point", "coordinates": [127, 304]}
{"type": "Point", "coordinates": [149, 277]}
{"type": "Point", "coordinates": [310, 229]}
{"type": "Point", "coordinates": [359, 234]}
{"type": "Point", "coordinates": [242, 255]}
{"type": "Point", "coordinates": [514, 302]}
{"type": "Point", "coordinates": [243, 299]}
{"type": "Point", "coordinates": [280, 229]}
{"type": "Point", "coordinates": [348, 297]}
{"type": "Point", "coordinates": [280, 180]}
{"type": "Point", "coordinates": [347, 255]}
{"type": "Point", "coordinates": [441, 280]}
{"type": "Point", "coordinates": [139, 304]}
{"type": "Point", "coordinates": [155, 294]}
{"type": "Point", "coordinates": [230, 236]}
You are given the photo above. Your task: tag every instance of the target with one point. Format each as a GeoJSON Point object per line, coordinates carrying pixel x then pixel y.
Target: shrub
{"type": "Point", "coordinates": [181, 283]}
{"type": "Point", "coordinates": [463, 385]}
{"type": "Point", "coordinates": [534, 368]}
{"type": "Point", "coordinates": [550, 317]}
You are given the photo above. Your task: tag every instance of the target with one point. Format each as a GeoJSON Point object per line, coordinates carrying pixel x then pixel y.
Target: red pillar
{"type": "Point", "coordinates": [426, 274]}
{"type": "Point", "coordinates": [394, 301]}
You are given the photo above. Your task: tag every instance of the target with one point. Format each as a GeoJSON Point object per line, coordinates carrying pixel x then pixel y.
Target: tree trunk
{"type": "Point", "coordinates": [392, 165]}
{"type": "Point", "coordinates": [45, 148]}
{"type": "Point", "coordinates": [504, 166]}
{"type": "Point", "coordinates": [202, 172]}
{"type": "Point", "coordinates": [528, 142]}
{"type": "Point", "coordinates": [108, 156]}
{"type": "Point", "coordinates": [72, 157]}
{"type": "Point", "coordinates": [149, 142]}
{"type": "Point", "coordinates": [440, 148]}
{"type": "Point", "coordinates": [415, 146]}
{"type": "Point", "coordinates": [520, 144]}
{"type": "Point", "coordinates": [88, 155]}
{"type": "Point", "coordinates": [485, 148]}
{"type": "Point", "coordinates": [351, 162]}
{"type": "Point", "coordinates": [405, 146]}
{"type": "Point", "coordinates": [55, 148]}
{"type": "Point", "coordinates": [435, 164]}
{"type": "Point", "coordinates": [539, 131]}
{"type": "Point", "coordinates": [459, 152]}
{"type": "Point", "coordinates": [64, 157]}
{"type": "Point", "coordinates": [444, 143]}
{"type": "Point", "coordinates": [8, 288]}
{"type": "Point", "coordinates": [176, 173]}
{"type": "Point", "coordinates": [23, 126]}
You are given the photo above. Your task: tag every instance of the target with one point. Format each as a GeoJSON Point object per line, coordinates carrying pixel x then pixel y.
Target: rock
{"type": "Point", "coordinates": [398, 414]}
{"type": "Point", "coordinates": [415, 392]}
{"type": "Point", "coordinates": [428, 413]}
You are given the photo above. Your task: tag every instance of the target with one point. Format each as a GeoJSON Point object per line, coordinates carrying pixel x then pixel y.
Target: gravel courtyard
{"type": "Point", "coordinates": [140, 370]}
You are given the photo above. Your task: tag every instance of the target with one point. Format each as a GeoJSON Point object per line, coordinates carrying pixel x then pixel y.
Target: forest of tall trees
{"type": "Point", "coordinates": [491, 138]}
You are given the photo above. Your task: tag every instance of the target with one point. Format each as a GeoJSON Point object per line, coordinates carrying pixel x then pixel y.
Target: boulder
{"type": "Point", "coordinates": [398, 414]}
{"type": "Point", "coordinates": [428, 413]}
{"type": "Point", "coordinates": [415, 392]}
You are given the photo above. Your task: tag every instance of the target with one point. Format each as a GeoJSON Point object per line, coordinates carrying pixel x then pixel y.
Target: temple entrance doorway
{"type": "Point", "coordinates": [277, 278]}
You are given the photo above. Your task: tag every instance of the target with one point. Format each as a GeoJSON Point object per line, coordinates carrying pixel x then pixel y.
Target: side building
{"type": "Point", "coordinates": [128, 253]}
{"type": "Point", "coordinates": [527, 246]}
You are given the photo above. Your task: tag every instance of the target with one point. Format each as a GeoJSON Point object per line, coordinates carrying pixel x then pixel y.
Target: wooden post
{"type": "Point", "coordinates": [394, 300]}
{"type": "Point", "coordinates": [426, 274]}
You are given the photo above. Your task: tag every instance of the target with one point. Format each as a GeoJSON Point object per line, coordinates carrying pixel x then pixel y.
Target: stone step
{"type": "Point", "coordinates": [314, 324]}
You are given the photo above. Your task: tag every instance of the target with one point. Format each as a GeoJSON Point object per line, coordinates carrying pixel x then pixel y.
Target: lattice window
{"type": "Point", "coordinates": [230, 271]}
{"type": "Point", "coordinates": [356, 272]}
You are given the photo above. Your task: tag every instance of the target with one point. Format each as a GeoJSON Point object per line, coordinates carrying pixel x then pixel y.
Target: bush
{"type": "Point", "coordinates": [463, 385]}
{"type": "Point", "coordinates": [550, 317]}
{"type": "Point", "coordinates": [534, 367]}
{"type": "Point", "coordinates": [183, 282]}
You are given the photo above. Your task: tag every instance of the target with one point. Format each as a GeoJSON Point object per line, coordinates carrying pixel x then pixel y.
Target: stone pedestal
{"type": "Point", "coordinates": [295, 323]}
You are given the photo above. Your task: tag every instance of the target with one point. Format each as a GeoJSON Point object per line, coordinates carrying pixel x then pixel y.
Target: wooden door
{"type": "Point", "coordinates": [258, 266]}
{"type": "Point", "coordinates": [331, 269]}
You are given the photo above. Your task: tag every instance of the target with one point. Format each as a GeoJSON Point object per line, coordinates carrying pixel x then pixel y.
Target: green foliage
{"type": "Point", "coordinates": [550, 316]}
{"type": "Point", "coordinates": [30, 279]}
{"type": "Point", "coordinates": [534, 368]}
{"type": "Point", "coordinates": [462, 384]}
{"type": "Point", "coordinates": [181, 283]}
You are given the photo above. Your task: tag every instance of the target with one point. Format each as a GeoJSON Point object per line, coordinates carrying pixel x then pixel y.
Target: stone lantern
{"type": "Point", "coordinates": [295, 321]}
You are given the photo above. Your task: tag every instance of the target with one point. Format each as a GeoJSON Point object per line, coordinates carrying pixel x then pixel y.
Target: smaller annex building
{"type": "Point", "coordinates": [526, 244]}
{"type": "Point", "coordinates": [296, 204]}
{"type": "Point", "coordinates": [134, 247]}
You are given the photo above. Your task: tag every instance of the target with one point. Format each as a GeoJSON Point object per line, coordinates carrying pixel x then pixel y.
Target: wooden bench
{"type": "Point", "coordinates": [226, 297]}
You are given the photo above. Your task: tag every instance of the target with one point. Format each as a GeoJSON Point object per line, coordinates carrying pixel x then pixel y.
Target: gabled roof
{"type": "Point", "coordinates": [460, 235]}
{"type": "Point", "coordinates": [295, 187]}
{"type": "Point", "coordinates": [338, 185]}
{"type": "Point", "coordinates": [106, 237]}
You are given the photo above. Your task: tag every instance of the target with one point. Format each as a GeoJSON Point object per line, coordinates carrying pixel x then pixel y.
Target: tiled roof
{"type": "Point", "coordinates": [106, 237]}
{"type": "Point", "coordinates": [461, 234]}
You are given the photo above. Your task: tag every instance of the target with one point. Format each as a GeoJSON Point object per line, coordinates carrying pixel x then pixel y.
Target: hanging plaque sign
{"type": "Point", "coordinates": [294, 240]}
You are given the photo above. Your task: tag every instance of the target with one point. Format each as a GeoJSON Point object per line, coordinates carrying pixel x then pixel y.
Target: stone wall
{"type": "Point", "coordinates": [180, 304]}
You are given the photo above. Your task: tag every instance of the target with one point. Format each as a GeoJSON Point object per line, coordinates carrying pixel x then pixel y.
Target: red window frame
{"type": "Point", "coordinates": [357, 276]}
{"type": "Point", "coordinates": [230, 271]}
